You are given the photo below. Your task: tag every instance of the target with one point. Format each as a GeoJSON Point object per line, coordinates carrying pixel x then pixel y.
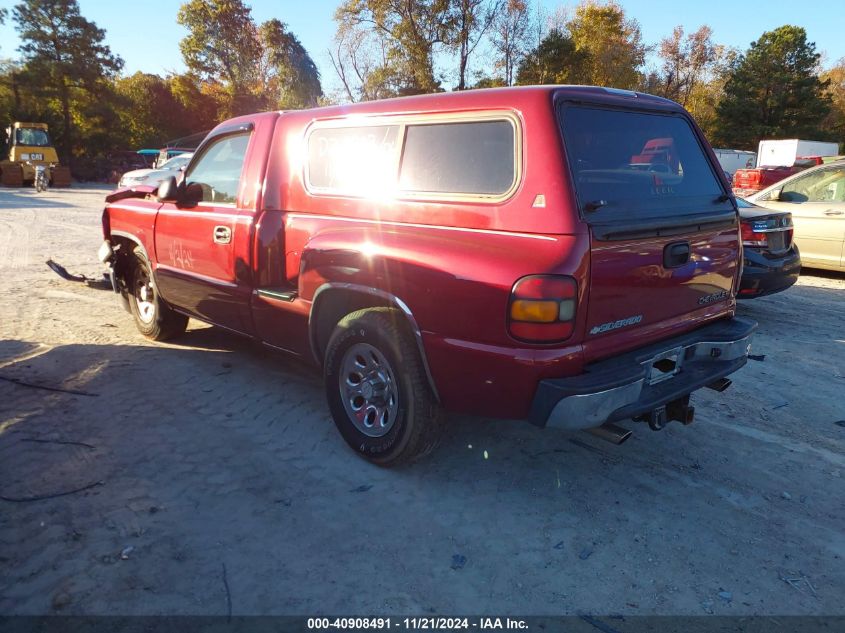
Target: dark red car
{"type": "Point", "coordinates": [566, 255]}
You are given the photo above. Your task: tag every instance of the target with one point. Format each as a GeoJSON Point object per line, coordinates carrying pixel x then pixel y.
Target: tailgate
{"type": "Point", "coordinates": [640, 292]}
{"type": "Point", "coordinates": [665, 243]}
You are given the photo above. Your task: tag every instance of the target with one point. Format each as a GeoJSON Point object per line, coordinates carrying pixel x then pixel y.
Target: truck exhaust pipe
{"type": "Point", "coordinates": [610, 433]}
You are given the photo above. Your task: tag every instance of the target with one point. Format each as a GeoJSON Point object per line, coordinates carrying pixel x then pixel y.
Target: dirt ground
{"type": "Point", "coordinates": [214, 463]}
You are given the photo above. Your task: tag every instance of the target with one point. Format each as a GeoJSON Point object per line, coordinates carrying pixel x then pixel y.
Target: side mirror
{"type": "Point", "coordinates": [774, 196]}
{"type": "Point", "coordinates": [192, 194]}
{"type": "Point", "coordinates": [168, 190]}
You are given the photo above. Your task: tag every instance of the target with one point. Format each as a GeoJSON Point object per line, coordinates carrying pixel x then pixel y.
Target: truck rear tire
{"type": "Point", "coordinates": [377, 388]}
{"type": "Point", "coordinates": [153, 318]}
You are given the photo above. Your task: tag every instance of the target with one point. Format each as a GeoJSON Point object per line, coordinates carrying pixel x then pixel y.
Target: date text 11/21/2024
{"type": "Point", "coordinates": [417, 623]}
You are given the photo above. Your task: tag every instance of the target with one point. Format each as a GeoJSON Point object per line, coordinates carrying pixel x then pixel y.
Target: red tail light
{"type": "Point", "coordinates": [542, 308]}
{"type": "Point", "coordinates": [746, 177]}
{"type": "Point", "coordinates": [752, 239]}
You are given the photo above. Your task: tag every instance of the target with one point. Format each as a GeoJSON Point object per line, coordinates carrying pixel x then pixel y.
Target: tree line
{"type": "Point", "coordinates": [67, 76]}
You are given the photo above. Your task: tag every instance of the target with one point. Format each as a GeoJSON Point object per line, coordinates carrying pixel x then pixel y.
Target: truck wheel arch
{"type": "Point", "coordinates": [334, 300]}
{"type": "Point", "coordinates": [131, 240]}
{"type": "Point", "coordinates": [121, 264]}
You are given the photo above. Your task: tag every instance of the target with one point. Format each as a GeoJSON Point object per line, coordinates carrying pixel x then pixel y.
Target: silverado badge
{"type": "Point", "coordinates": [613, 325]}
{"type": "Point", "coordinates": [716, 296]}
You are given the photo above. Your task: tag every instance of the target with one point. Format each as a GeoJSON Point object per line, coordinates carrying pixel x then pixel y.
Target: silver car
{"type": "Point", "coordinates": [155, 176]}
{"type": "Point", "coordinates": [816, 200]}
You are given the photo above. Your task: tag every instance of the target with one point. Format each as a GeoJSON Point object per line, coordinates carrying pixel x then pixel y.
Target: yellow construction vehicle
{"type": "Point", "coordinates": [29, 145]}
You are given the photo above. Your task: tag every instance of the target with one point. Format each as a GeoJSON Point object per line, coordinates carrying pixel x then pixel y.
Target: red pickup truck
{"type": "Point", "coordinates": [749, 181]}
{"type": "Point", "coordinates": [507, 253]}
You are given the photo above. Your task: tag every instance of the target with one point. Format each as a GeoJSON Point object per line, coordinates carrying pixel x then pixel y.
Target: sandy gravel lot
{"type": "Point", "coordinates": [214, 456]}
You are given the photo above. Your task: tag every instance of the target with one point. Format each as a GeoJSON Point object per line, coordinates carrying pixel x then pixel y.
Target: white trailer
{"type": "Point", "coordinates": [733, 159]}
{"type": "Point", "coordinates": [782, 153]}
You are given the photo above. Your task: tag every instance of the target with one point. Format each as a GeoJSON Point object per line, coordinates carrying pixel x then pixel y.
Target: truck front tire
{"type": "Point", "coordinates": [377, 389]}
{"type": "Point", "coordinates": [153, 318]}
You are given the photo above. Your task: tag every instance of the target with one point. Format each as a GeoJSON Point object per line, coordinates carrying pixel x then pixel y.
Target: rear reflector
{"type": "Point", "coordinates": [542, 308]}
{"type": "Point", "coordinates": [541, 333]}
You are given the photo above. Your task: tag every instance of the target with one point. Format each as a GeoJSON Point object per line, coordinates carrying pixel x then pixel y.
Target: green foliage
{"type": "Point", "coordinates": [687, 62]}
{"type": "Point", "coordinates": [197, 101]}
{"type": "Point", "coordinates": [599, 45]}
{"type": "Point", "coordinates": [509, 37]}
{"type": "Point", "coordinates": [361, 61]}
{"type": "Point", "coordinates": [252, 67]}
{"type": "Point", "coordinates": [472, 20]}
{"type": "Point", "coordinates": [64, 59]}
{"type": "Point", "coordinates": [834, 122]}
{"type": "Point", "coordinates": [289, 67]}
{"type": "Point", "coordinates": [18, 103]}
{"type": "Point", "coordinates": [610, 42]}
{"type": "Point", "coordinates": [555, 61]}
{"type": "Point", "coordinates": [773, 91]}
{"type": "Point", "coordinates": [97, 123]}
{"type": "Point", "coordinates": [408, 33]}
{"type": "Point", "coordinates": [222, 42]}
{"type": "Point", "coordinates": [488, 82]}
{"type": "Point", "coordinates": [153, 110]}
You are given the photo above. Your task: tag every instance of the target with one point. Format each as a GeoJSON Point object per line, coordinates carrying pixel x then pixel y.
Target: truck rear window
{"type": "Point", "coordinates": [628, 164]}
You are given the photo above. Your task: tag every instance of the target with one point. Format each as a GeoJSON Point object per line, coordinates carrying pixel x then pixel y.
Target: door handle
{"type": "Point", "coordinates": [676, 254]}
{"type": "Point", "coordinates": [222, 235]}
{"type": "Point", "coordinates": [833, 212]}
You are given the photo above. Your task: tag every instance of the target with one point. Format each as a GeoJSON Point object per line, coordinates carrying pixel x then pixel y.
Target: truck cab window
{"type": "Point", "coordinates": [218, 169]}
{"type": "Point", "coordinates": [33, 137]}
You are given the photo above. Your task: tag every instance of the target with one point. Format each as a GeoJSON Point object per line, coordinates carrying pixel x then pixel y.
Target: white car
{"type": "Point", "coordinates": [816, 199]}
{"type": "Point", "coordinates": [155, 176]}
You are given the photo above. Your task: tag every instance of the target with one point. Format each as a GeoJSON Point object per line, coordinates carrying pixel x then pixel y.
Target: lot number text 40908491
{"type": "Point", "coordinates": [432, 623]}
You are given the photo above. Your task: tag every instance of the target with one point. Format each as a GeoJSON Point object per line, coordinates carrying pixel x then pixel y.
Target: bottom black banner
{"type": "Point", "coordinates": [285, 624]}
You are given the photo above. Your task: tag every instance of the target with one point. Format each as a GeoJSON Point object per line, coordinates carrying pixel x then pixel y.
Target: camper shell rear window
{"type": "Point", "coordinates": [635, 164]}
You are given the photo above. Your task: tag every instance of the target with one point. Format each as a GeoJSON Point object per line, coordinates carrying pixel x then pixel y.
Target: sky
{"type": "Point", "coordinates": [146, 36]}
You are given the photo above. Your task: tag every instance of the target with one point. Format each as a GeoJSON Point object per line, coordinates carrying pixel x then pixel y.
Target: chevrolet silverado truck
{"type": "Point", "coordinates": [565, 255]}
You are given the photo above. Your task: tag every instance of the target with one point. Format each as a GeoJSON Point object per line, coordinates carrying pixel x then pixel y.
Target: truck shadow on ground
{"type": "Point", "coordinates": [27, 198]}
{"type": "Point", "coordinates": [227, 453]}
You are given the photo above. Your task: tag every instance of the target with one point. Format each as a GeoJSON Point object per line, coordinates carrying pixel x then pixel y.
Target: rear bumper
{"type": "Point", "coordinates": [629, 385]}
{"type": "Point", "coordinates": [764, 274]}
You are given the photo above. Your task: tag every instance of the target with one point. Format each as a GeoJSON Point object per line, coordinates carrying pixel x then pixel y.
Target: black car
{"type": "Point", "coordinates": [771, 261]}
